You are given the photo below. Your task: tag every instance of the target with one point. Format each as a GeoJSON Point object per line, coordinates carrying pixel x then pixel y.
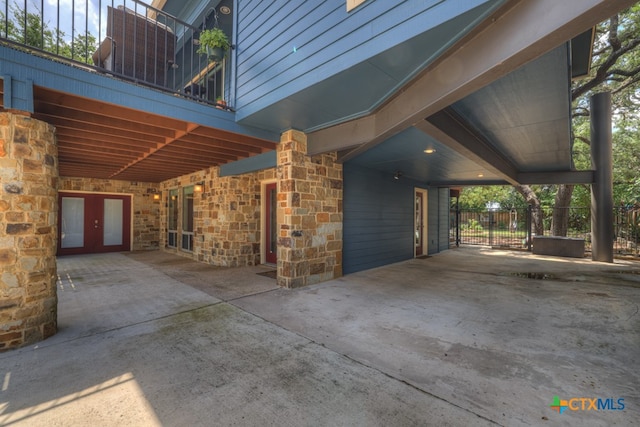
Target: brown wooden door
{"type": "Point", "coordinates": [93, 223]}
{"type": "Point", "coordinates": [271, 224]}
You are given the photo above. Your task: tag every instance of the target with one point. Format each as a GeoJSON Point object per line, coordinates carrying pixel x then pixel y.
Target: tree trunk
{"type": "Point", "coordinates": [560, 219]}
{"type": "Point", "coordinates": [536, 213]}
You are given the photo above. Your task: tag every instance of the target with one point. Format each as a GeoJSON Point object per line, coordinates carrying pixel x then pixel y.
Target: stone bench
{"type": "Point", "coordinates": [558, 246]}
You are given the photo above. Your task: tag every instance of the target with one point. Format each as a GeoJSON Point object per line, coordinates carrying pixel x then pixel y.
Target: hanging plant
{"type": "Point", "coordinates": [214, 43]}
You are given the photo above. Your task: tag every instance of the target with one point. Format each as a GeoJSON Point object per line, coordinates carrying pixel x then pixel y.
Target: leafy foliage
{"type": "Point", "coordinates": [616, 69]}
{"type": "Point", "coordinates": [213, 38]}
{"type": "Point", "coordinates": [30, 29]}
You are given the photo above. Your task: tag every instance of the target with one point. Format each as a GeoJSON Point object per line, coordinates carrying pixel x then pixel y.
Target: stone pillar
{"type": "Point", "coordinates": [602, 187]}
{"type": "Point", "coordinates": [28, 230]}
{"type": "Point", "coordinates": [309, 214]}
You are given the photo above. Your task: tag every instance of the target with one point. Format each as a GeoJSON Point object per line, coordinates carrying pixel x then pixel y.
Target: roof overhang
{"type": "Point", "coordinates": [496, 107]}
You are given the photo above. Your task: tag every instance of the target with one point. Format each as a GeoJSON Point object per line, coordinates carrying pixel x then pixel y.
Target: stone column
{"type": "Point", "coordinates": [309, 214]}
{"type": "Point", "coordinates": [602, 188]}
{"type": "Point", "coordinates": [28, 230]}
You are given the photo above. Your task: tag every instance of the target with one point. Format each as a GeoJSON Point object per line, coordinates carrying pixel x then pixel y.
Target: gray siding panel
{"type": "Point", "coordinates": [433, 222]}
{"type": "Point", "coordinates": [378, 219]}
{"type": "Point", "coordinates": [443, 215]}
{"type": "Point", "coordinates": [438, 220]}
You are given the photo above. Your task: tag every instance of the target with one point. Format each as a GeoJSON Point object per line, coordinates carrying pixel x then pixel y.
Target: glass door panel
{"type": "Point", "coordinates": [72, 224]}
{"type": "Point", "coordinates": [271, 229]}
{"type": "Point", "coordinates": [113, 226]}
{"type": "Point", "coordinates": [187, 219]}
{"type": "Point", "coordinates": [418, 222]}
{"type": "Point", "coordinates": [172, 219]}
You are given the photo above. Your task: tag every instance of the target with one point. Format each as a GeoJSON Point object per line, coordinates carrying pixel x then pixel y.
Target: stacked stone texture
{"type": "Point", "coordinates": [309, 214]}
{"type": "Point", "coordinates": [28, 230]}
{"type": "Point", "coordinates": [227, 222]}
{"type": "Point", "coordinates": [146, 210]}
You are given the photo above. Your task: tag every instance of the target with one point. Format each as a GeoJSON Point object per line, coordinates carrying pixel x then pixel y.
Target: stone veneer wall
{"type": "Point", "coordinates": [28, 218]}
{"type": "Point", "coordinates": [309, 214]}
{"type": "Point", "coordinates": [146, 211]}
{"type": "Point", "coordinates": [227, 217]}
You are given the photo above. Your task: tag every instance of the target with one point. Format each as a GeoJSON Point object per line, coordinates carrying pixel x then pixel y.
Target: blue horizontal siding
{"type": "Point", "coordinates": [327, 39]}
{"type": "Point", "coordinates": [378, 219]}
{"type": "Point", "coordinates": [443, 215]}
{"type": "Point", "coordinates": [433, 226]}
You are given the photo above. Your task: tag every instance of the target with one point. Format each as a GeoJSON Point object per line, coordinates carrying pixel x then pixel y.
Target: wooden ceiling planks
{"type": "Point", "coordinates": [100, 140]}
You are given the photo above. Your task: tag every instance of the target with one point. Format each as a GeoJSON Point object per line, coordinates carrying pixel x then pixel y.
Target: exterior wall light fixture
{"type": "Point", "coordinates": [198, 187]}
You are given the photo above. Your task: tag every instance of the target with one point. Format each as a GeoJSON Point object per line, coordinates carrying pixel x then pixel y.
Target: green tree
{"type": "Point", "coordinates": [476, 198]}
{"type": "Point", "coordinates": [29, 29]}
{"type": "Point", "coordinates": [615, 68]}
{"type": "Point", "coordinates": [83, 47]}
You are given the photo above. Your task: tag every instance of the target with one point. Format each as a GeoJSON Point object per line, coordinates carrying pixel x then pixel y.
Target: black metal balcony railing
{"type": "Point", "coordinates": [127, 39]}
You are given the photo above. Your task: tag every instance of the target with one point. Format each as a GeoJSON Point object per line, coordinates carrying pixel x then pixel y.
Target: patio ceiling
{"type": "Point", "coordinates": [102, 140]}
{"type": "Point", "coordinates": [519, 124]}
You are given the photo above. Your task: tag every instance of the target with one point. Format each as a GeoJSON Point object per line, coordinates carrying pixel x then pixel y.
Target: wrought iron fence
{"type": "Point", "coordinates": [515, 228]}
{"type": "Point", "coordinates": [505, 228]}
{"type": "Point", "coordinates": [127, 39]}
{"type": "Point", "coordinates": [627, 230]}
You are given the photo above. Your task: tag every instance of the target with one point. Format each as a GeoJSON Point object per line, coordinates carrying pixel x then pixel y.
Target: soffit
{"type": "Point", "coordinates": [521, 121]}
{"type": "Point", "coordinates": [361, 89]}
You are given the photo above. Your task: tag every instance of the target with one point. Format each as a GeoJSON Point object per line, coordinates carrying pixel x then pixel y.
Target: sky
{"type": "Point", "coordinates": [84, 14]}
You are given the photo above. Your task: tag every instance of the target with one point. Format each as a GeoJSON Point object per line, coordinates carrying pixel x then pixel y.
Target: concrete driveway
{"type": "Point", "coordinates": [467, 337]}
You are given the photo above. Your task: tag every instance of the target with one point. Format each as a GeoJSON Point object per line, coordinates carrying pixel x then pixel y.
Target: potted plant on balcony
{"type": "Point", "coordinates": [221, 103]}
{"type": "Point", "coordinates": [214, 43]}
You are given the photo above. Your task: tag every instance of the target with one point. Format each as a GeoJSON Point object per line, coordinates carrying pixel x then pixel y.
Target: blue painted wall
{"type": "Point", "coordinates": [433, 223]}
{"type": "Point", "coordinates": [444, 211]}
{"type": "Point", "coordinates": [378, 218]}
{"type": "Point", "coordinates": [284, 47]}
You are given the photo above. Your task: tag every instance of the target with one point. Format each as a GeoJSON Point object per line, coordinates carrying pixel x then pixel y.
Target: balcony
{"type": "Point", "coordinates": [124, 39]}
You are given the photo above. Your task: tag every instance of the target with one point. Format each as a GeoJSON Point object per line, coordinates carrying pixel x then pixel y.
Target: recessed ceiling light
{"type": "Point", "coordinates": [225, 10]}
{"type": "Point", "coordinates": [430, 150]}
{"type": "Point", "coordinates": [480, 175]}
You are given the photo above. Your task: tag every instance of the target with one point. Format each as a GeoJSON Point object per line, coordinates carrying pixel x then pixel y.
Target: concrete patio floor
{"type": "Point", "coordinates": [461, 338]}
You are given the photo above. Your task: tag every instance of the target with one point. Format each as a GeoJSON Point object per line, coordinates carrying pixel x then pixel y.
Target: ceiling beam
{"type": "Point", "coordinates": [186, 157]}
{"type": "Point", "coordinates": [96, 140]}
{"type": "Point", "coordinates": [451, 129]}
{"type": "Point", "coordinates": [53, 113]}
{"type": "Point", "coordinates": [103, 130]}
{"type": "Point", "coordinates": [179, 147]}
{"type": "Point", "coordinates": [206, 143]}
{"type": "Point", "coordinates": [86, 105]}
{"type": "Point", "coordinates": [223, 135]}
{"type": "Point", "coordinates": [515, 36]}
{"type": "Point", "coordinates": [466, 183]}
{"type": "Point", "coordinates": [559, 177]}
{"type": "Point", "coordinates": [179, 134]}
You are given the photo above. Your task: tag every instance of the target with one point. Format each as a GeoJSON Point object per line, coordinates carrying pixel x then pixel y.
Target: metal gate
{"type": "Point", "coordinates": [515, 228]}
